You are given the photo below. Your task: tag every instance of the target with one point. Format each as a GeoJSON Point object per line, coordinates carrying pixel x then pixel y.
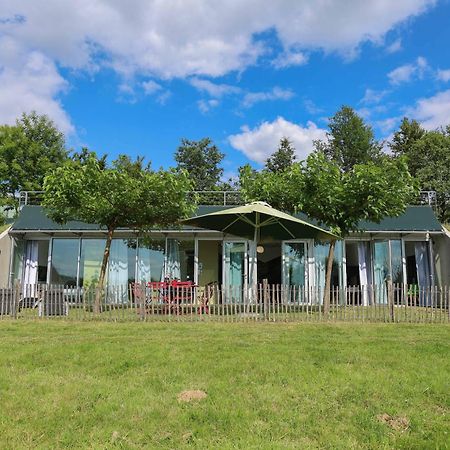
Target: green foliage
{"type": "Point", "coordinates": [337, 199]}
{"type": "Point", "coordinates": [283, 158]}
{"type": "Point", "coordinates": [280, 189]}
{"type": "Point", "coordinates": [428, 156]}
{"type": "Point", "coordinates": [410, 131]}
{"type": "Point", "coordinates": [371, 191]}
{"type": "Point", "coordinates": [350, 141]}
{"type": "Point", "coordinates": [28, 150]}
{"type": "Point", "coordinates": [127, 194]}
{"type": "Point", "coordinates": [201, 160]}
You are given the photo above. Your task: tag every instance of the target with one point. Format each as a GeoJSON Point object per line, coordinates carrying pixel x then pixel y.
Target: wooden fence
{"type": "Point", "coordinates": [274, 303]}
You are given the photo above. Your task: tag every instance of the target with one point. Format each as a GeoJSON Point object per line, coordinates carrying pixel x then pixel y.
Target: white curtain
{"type": "Point", "coordinates": [118, 263]}
{"type": "Point", "coordinates": [365, 272]}
{"type": "Point", "coordinates": [31, 268]}
{"type": "Point", "coordinates": [144, 266]}
{"type": "Point", "coordinates": [422, 263]}
{"type": "Point", "coordinates": [173, 268]}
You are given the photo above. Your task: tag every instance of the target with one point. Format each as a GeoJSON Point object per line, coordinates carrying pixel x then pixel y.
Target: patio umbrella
{"type": "Point", "coordinates": [258, 221]}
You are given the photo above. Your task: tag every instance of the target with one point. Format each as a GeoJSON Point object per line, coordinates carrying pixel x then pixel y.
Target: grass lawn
{"type": "Point", "coordinates": [115, 385]}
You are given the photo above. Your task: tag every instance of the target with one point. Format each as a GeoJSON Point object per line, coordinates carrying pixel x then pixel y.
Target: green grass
{"type": "Point", "coordinates": [115, 385]}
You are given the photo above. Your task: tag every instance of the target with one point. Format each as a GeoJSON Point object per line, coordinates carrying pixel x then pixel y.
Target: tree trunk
{"type": "Point", "coordinates": [101, 279]}
{"type": "Point", "coordinates": [326, 294]}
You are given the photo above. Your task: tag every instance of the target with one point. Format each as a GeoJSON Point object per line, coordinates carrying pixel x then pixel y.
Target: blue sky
{"type": "Point", "coordinates": [135, 77]}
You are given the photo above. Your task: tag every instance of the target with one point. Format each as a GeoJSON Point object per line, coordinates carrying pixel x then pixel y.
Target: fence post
{"type": "Point", "coordinates": [266, 298]}
{"type": "Point", "coordinates": [390, 299]}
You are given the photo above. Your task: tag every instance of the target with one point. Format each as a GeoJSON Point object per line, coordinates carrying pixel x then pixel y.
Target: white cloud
{"type": "Point", "coordinates": [311, 107]}
{"type": "Point", "coordinates": [433, 112]}
{"type": "Point", "coordinates": [276, 93]}
{"type": "Point", "coordinates": [162, 40]}
{"type": "Point", "coordinates": [206, 105]}
{"type": "Point", "coordinates": [213, 89]}
{"type": "Point", "coordinates": [444, 75]}
{"type": "Point", "coordinates": [32, 84]}
{"type": "Point", "coordinates": [151, 87]}
{"type": "Point", "coordinates": [260, 142]}
{"type": "Point", "coordinates": [372, 97]}
{"type": "Point", "coordinates": [394, 47]}
{"type": "Point", "coordinates": [407, 72]}
{"type": "Point", "coordinates": [290, 58]}
{"type": "Point", "coordinates": [388, 124]}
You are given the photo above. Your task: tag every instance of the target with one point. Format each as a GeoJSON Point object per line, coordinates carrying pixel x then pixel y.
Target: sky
{"type": "Point", "coordinates": [137, 76]}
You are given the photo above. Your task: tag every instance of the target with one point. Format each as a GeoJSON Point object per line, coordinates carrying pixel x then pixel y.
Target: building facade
{"type": "Point", "coordinates": [412, 249]}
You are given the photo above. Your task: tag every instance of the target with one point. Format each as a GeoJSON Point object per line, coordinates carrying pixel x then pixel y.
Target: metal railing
{"type": "Point", "coordinates": [217, 198]}
{"type": "Point", "coordinates": [391, 303]}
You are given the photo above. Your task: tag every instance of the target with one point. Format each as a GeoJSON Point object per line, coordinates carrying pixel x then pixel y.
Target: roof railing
{"type": "Point", "coordinates": [210, 198]}
{"type": "Point", "coordinates": [214, 198]}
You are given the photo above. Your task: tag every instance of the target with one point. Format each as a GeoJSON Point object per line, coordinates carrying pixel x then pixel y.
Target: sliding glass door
{"type": "Point", "coordinates": [235, 270]}
{"type": "Point", "coordinates": [295, 270]}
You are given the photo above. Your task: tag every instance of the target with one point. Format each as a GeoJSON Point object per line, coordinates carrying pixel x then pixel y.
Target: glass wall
{"type": "Point", "coordinates": [65, 261]}
{"type": "Point", "coordinates": [396, 261]}
{"type": "Point", "coordinates": [122, 262]}
{"type": "Point", "coordinates": [180, 259]}
{"type": "Point", "coordinates": [17, 267]}
{"type": "Point", "coordinates": [294, 263]}
{"type": "Point", "coordinates": [321, 260]}
{"type": "Point", "coordinates": [91, 260]}
{"type": "Point", "coordinates": [151, 260]}
{"type": "Point", "coordinates": [234, 269]}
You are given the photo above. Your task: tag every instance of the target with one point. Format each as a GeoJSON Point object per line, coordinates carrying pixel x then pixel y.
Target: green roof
{"type": "Point", "coordinates": [415, 218]}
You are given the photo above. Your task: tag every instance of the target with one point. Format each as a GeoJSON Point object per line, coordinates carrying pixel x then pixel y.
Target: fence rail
{"type": "Point", "coordinates": [273, 303]}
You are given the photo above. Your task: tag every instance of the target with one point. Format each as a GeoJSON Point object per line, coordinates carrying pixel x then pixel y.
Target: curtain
{"type": "Point", "coordinates": [173, 268]}
{"type": "Point", "coordinates": [381, 270]}
{"type": "Point", "coordinates": [365, 272]}
{"type": "Point", "coordinates": [321, 255]}
{"type": "Point", "coordinates": [144, 267]}
{"type": "Point", "coordinates": [422, 263]}
{"type": "Point", "coordinates": [118, 271]}
{"type": "Point", "coordinates": [31, 268]}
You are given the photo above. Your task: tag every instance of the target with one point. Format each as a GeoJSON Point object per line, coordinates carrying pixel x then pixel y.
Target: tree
{"type": "Point", "coordinates": [283, 158]}
{"type": "Point", "coordinates": [28, 150]}
{"type": "Point", "coordinates": [350, 141]}
{"type": "Point", "coordinates": [126, 194]}
{"type": "Point", "coordinates": [201, 160]}
{"type": "Point", "coordinates": [335, 198]}
{"type": "Point", "coordinates": [409, 132]}
{"type": "Point", "coordinates": [428, 156]}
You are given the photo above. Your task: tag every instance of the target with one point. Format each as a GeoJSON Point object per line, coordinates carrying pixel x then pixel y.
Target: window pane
{"type": "Point", "coordinates": [180, 259]}
{"type": "Point", "coordinates": [64, 262]}
{"type": "Point", "coordinates": [122, 262]}
{"type": "Point", "coordinates": [321, 259]}
{"type": "Point", "coordinates": [396, 261]}
{"type": "Point", "coordinates": [91, 260]}
{"type": "Point", "coordinates": [19, 251]}
{"type": "Point", "coordinates": [294, 263]}
{"type": "Point", "coordinates": [151, 260]}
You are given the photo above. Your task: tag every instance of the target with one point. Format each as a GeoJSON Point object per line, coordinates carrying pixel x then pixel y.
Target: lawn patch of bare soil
{"type": "Point", "coordinates": [190, 396]}
{"type": "Point", "coordinates": [397, 423]}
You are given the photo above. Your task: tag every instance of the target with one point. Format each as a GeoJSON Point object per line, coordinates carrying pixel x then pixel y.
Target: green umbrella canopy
{"type": "Point", "coordinates": [260, 222]}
